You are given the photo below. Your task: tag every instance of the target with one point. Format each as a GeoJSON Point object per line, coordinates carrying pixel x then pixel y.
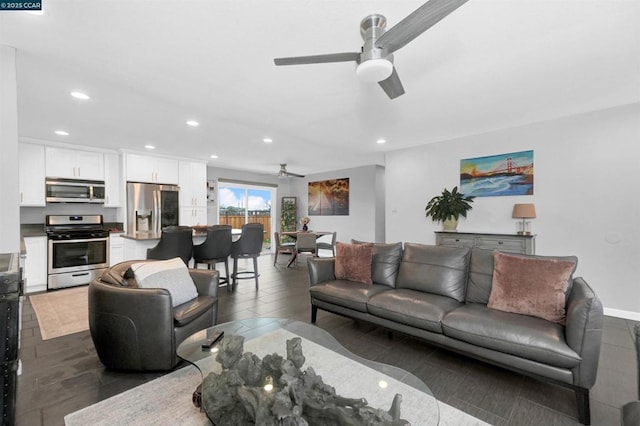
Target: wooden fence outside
{"type": "Point", "coordinates": [236, 221]}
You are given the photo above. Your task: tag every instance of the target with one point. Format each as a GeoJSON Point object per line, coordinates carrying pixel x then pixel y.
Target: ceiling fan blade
{"type": "Point", "coordinates": [295, 175]}
{"type": "Point", "coordinates": [318, 59]}
{"type": "Point", "coordinates": [416, 23]}
{"type": "Point", "coordinates": [392, 85]}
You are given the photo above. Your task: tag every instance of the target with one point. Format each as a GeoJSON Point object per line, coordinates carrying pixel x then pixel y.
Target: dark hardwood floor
{"type": "Point", "coordinates": [62, 375]}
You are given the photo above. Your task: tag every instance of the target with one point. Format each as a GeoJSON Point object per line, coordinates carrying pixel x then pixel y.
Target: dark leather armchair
{"type": "Point", "coordinates": [175, 241]}
{"type": "Point", "coordinates": [138, 329]}
{"type": "Point", "coordinates": [631, 411]}
{"type": "Point", "coordinates": [248, 246]}
{"type": "Point", "coordinates": [216, 248]}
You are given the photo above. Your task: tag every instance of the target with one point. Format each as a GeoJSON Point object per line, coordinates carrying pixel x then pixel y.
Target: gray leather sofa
{"type": "Point", "coordinates": [440, 294]}
{"type": "Point", "coordinates": [138, 329]}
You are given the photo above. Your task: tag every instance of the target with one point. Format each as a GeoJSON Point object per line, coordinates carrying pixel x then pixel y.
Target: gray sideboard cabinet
{"type": "Point", "coordinates": [511, 243]}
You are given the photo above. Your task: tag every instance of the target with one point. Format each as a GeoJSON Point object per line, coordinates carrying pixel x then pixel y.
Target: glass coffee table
{"type": "Point", "coordinates": [350, 375]}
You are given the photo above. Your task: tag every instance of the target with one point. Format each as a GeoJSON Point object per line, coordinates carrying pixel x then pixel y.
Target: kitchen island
{"type": "Point", "coordinates": [136, 245]}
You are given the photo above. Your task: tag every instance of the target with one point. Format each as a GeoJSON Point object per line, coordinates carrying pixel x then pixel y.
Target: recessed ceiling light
{"type": "Point", "coordinates": [80, 95]}
{"type": "Point", "coordinates": [61, 133]}
{"type": "Point", "coordinates": [214, 156]}
{"type": "Point", "coordinates": [150, 147]}
{"type": "Point", "coordinates": [192, 123]}
{"type": "Point", "coordinates": [267, 140]}
{"type": "Point", "coordinates": [381, 141]}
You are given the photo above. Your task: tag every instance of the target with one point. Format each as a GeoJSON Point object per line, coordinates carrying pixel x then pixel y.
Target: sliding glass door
{"type": "Point", "coordinates": [240, 204]}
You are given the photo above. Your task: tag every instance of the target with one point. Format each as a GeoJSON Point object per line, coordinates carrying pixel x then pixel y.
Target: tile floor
{"type": "Point", "coordinates": [62, 375]}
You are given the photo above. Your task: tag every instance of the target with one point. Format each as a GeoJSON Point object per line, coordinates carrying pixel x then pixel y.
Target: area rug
{"type": "Point", "coordinates": [167, 400]}
{"type": "Point", "coordinates": [61, 312]}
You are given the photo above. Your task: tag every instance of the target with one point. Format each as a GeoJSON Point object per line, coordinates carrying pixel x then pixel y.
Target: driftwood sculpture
{"type": "Point", "coordinates": [275, 391]}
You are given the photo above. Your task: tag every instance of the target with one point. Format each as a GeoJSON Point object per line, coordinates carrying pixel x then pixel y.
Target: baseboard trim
{"type": "Point", "coordinates": [635, 316]}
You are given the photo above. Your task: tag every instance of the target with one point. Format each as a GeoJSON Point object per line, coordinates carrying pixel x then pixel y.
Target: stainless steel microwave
{"type": "Point", "coordinates": [74, 191]}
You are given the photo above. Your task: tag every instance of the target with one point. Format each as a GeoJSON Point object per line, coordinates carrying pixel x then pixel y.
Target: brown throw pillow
{"type": "Point", "coordinates": [353, 262]}
{"type": "Point", "coordinates": [531, 285]}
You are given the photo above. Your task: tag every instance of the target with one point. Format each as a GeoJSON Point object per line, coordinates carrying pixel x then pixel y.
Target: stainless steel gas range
{"type": "Point", "coordinates": [78, 249]}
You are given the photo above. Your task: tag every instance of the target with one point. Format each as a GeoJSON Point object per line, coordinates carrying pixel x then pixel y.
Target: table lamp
{"type": "Point", "coordinates": [524, 211]}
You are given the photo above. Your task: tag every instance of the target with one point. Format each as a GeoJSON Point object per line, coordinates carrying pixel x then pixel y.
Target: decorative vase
{"type": "Point", "coordinates": [450, 224]}
{"type": "Point", "coordinates": [305, 227]}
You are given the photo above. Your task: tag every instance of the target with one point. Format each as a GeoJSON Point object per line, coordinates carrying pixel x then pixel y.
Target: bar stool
{"type": "Point", "coordinates": [248, 246]}
{"type": "Point", "coordinates": [175, 241]}
{"type": "Point", "coordinates": [216, 248]}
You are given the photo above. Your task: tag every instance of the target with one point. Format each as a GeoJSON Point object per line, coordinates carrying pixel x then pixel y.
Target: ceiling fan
{"type": "Point", "coordinates": [283, 173]}
{"type": "Point", "coordinates": [375, 61]}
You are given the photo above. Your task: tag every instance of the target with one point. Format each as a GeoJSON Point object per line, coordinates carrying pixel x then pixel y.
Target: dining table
{"type": "Point", "coordinates": [294, 235]}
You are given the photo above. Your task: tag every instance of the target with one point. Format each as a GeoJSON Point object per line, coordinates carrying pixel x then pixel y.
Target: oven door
{"type": "Point", "coordinates": [78, 255]}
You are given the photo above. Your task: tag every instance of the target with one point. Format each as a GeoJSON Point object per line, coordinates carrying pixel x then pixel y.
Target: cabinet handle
{"type": "Point", "coordinates": [21, 196]}
{"type": "Point", "coordinates": [500, 242]}
{"type": "Point", "coordinates": [457, 240]}
{"type": "Point", "coordinates": [78, 171]}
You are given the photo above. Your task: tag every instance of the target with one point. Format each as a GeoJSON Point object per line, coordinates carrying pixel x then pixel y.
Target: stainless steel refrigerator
{"type": "Point", "coordinates": [151, 207]}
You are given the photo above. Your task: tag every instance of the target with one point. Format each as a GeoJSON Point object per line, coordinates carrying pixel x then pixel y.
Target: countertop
{"type": "Point", "coordinates": [151, 235]}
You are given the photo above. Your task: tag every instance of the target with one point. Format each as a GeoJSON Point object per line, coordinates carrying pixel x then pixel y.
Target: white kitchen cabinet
{"type": "Point", "coordinates": [192, 216]}
{"type": "Point", "coordinates": [112, 182]}
{"type": "Point", "coordinates": [116, 249]}
{"type": "Point", "coordinates": [193, 184]}
{"type": "Point", "coordinates": [146, 168]}
{"type": "Point", "coordinates": [35, 265]}
{"type": "Point", "coordinates": [31, 175]}
{"type": "Point", "coordinates": [74, 164]}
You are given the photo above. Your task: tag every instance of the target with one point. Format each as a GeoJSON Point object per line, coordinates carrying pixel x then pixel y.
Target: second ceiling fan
{"type": "Point", "coordinates": [375, 61]}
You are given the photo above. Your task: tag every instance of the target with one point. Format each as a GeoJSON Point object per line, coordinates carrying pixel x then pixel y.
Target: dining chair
{"type": "Point", "coordinates": [306, 243]}
{"type": "Point", "coordinates": [325, 245]}
{"type": "Point", "coordinates": [287, 248]}
{"type": "Point", "coordinates": [248, 246]}
{"type": "Point", "coordinates": [216, 248]}
{"type": "Point", "coordinates": [175, 241]}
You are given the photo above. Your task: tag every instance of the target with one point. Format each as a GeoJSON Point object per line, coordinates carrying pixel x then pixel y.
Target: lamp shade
{"type": "Point", "coordinates": [524, 211]}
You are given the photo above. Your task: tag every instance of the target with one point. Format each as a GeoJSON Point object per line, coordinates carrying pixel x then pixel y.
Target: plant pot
{"type": "Point", "coordinates": [450, 224]}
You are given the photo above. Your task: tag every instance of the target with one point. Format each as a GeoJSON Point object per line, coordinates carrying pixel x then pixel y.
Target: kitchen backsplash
{"type": "Point", "coordinates": [37, 214]}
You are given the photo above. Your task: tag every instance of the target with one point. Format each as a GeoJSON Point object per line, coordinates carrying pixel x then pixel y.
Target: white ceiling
{"type": "Point", "coordinates": [151, 65]}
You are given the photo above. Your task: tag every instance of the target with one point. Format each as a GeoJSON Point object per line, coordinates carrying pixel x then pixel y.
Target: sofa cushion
{"type": "Point", "coordinates": [520, 335]}
{"type": "Point", "coordinates": [531, 285]}
{"type": "Point", "coordinates": [435, 269]}
{"type": "Point", "coordinates": [350, 294]}
{"type": "Point", "coordinates": [353, 262]}
{"type": "Point", "coordinates": [480, 276]}
{"type": "Point", "coordinates": [385, 262]}
{"type": "Point", "coordinates": [171, 275]}
{"type": "Point", "coordinates": [413, 308]}
{"type": "Point", "coordinates": [185, 313]}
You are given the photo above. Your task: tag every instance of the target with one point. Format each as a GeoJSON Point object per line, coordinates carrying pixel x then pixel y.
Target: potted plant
{"type": "Point", "coordinates": [448, 207]}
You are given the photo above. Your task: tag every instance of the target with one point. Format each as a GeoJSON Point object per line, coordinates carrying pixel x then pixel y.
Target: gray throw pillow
{"type": "Point", "coordinates": [385, 262]}
{"type": "Point", "coordinates": [171, 275]}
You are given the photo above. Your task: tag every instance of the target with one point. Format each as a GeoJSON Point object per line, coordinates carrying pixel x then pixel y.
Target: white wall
{"type": "Point", "coordinates": [586, 193]}
{"type": "Point", "coordinates": [365, 220]}
{"type": "Point", "coordinates": [9, 187]}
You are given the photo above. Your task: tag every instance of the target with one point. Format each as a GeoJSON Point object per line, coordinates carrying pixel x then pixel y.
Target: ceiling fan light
{"type": "Point", "coordinates": [374, 70]}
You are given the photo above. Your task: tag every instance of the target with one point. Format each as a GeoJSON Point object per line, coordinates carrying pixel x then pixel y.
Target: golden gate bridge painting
{"type": "Point", "coordinates": [497, 175]}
